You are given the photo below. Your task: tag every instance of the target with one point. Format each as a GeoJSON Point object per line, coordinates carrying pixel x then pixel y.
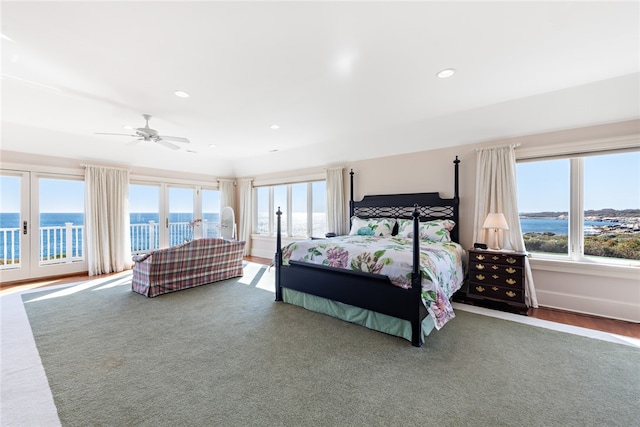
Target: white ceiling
{"type": "Point", "coordinates": [343, 80]}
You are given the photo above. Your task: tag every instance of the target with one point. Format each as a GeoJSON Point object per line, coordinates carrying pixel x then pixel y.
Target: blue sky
{"type": "Point", "coordinates": [611, 181]}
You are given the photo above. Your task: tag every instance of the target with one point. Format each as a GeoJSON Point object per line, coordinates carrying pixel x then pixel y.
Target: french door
{"type": "Point", "coordinates": [164, 215]}
{"type": "Point", "coordinates": [41, 225]}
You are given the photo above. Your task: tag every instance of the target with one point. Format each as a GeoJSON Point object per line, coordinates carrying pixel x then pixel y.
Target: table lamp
{"type": "Point", "coordinates": [495, 222]}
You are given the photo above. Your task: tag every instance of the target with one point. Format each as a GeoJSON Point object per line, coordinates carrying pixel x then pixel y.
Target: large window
{"type": "Point", "coordinates": [583, 207]}
{"type": "Point", "coordinates": [302, 206]}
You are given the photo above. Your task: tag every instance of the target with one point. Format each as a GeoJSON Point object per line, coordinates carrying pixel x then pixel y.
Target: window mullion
{"type": "Point", "coordinates": [272, 212]}
{"type": "Point", "coordinates": [289, 212]}
{"type": "Point", "coordinates": [576, 210]}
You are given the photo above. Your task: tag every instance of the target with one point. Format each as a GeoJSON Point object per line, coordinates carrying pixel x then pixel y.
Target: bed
{"type": "Point", "coordinates": [391, 281]}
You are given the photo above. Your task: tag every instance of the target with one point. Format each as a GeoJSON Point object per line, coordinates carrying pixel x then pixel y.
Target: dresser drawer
{"type": "Point", "coordinates": [515, 260]}
{"type": "Point", "coordinates": [496, 292]}
{"type": "Point", "coordinates": [491, 268]}
{"type": "Point", "coordinates": [507, 280]}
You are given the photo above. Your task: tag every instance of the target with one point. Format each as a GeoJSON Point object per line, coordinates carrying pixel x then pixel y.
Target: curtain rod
{"type": "Point", "coordinates": [514, 145]}
{"type": "Point", "coordinates": [105, 167]}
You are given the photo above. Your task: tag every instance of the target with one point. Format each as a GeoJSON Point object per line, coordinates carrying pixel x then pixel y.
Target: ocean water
{"type": "Point", "coordinates": [12, 221]}
{"type": "Point", "coordinates": [555, 226]}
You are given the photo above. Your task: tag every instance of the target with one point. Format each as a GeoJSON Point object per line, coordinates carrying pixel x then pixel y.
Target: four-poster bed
{"type": "Point", "coordinates": [376, 292]}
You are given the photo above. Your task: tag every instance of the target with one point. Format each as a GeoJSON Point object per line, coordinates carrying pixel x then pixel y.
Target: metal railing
{"type": "Point", "coordinates": [65, 244]}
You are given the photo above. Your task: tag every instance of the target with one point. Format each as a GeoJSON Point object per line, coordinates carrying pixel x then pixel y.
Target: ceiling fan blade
{"type": "Point", "coordinates": [168, 144]}
{"type": "Point", "coordinates": [174, 139]}
{"type": "Point", "coordinates": [135, 141]}
{"type": "Point", "coordinates": [119, 134]}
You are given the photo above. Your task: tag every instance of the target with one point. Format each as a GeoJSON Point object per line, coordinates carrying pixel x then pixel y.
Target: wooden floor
{"type": "Point", "coordinates": [575, 319]}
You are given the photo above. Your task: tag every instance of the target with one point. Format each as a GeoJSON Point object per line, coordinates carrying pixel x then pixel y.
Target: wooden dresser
{"type": "Point", "coordinates": [497, 276]}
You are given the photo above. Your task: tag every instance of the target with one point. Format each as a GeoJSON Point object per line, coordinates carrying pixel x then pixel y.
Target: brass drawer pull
{"type": "Point", "coordinates": [495, 288]}
{"type": "Point", "coordinates": [480, 266]}
{"type": "Point", "coordinates": [495, 276]}
{"type": "Point", "coordinates": [510, 281]}
{"type": "Point", "coordinates": [480, 277]}
{"type": "Point", "coordinates": [511, 294]}
{"type": "Point", "coordinates": [495, 267]}
{"type": "Point", "coordinates": [495, 258]}
{"type": "Point", "coordinates": [511, 260]}
{"type": "Point", "coordinates": [511, 270]}
{"type": "Point", "coordinates": [479, 289]}
{"type": "Point", "coordinates": [480, 257]}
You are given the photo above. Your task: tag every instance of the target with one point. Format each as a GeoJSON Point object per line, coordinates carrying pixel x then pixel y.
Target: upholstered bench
{"type": "Point", "coordinates": [188, 265]}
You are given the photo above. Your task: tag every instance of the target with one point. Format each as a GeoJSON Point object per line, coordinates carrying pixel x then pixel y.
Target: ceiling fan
{"type": "Point", "coordinates": [148, 134]}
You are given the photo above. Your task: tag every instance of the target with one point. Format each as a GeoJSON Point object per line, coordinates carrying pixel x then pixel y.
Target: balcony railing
{"type": "Point", "coordinates": [65, 244]}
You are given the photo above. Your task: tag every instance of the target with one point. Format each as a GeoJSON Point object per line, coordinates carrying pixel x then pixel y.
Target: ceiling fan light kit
{"type": "Point", "coordinates": [148, 134]}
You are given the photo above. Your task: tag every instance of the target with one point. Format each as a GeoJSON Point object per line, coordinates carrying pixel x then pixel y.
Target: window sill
{"type": "Point", "coordinates": [628, 272]}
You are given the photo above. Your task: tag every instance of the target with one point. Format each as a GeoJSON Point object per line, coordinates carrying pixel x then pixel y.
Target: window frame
{"type": "Point", "coordinates": [270, 184]}
{"type": "Point", "coordinates": [575, 261]}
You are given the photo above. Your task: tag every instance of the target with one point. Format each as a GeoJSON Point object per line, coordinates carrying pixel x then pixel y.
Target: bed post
{"type": "Point", "coordinates": [351, 206]}
{"type": "Point", "coordinates": [278, 259]}
{"type": "Point", "coordinates": [416, 281]}
{"type": "Point", "coordinates": [456, 202]}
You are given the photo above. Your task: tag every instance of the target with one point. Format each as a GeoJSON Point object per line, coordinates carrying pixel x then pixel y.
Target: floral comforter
{"type": "Point", "coordinates": [441, 264]}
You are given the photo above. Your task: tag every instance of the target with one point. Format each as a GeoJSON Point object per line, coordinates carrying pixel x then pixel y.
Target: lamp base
{"type": "Point", "coordinates": [495, 241]}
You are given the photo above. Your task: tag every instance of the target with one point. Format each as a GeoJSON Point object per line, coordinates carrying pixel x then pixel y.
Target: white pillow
{"type": "Point", "coordinates": [380, 227]}
{"type": "Point", "coordinates": [437, 230]}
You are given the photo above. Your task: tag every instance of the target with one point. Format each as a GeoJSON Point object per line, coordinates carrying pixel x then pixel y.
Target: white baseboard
{"type": "Point", "coordinates": [601, 307]}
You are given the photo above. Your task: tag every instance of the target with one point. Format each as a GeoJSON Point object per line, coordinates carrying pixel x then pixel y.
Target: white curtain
{"type": "Point", "coordinates": [107, 220]}
{"type": "Point", "coordinates": [227, 192]}
{"type": "Point", "coordinates": [336, 215]}
{"type": "Point", "coordinates": [496, 191]}
{"type": "Point", "coordinates": [246, 213]}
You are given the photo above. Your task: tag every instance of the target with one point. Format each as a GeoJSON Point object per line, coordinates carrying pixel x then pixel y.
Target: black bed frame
{"type": "Point", "coordinates": [367, 290]}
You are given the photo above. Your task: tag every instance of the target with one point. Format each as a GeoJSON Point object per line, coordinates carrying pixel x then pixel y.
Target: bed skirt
{"type": "Point", "coordinates": [370, 319]}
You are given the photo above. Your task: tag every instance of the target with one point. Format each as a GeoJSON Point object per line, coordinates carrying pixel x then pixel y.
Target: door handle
{"type": "Point", "coordinates": [166, 222]}
{"type": "Point", "coordinates": [25, 227]}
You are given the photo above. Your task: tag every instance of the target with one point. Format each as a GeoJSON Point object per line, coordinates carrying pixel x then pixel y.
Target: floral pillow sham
{"type": "Point", "coordinates": [436, 231]}
{"type": "Point", "coordinates": [380, 227]}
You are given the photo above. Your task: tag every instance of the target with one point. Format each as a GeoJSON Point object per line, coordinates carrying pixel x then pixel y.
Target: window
{"type": "Point", "coordinates": [584, 207]}
{"type": "Point", "coordinates": [302, 205]}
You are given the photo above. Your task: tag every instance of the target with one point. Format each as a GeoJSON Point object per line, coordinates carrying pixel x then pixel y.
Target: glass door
{"type": "Point", "coordinates": [41, 225]}
{"type": "Point", "coordinates": [210, 225]}
{"type": "Point", "coordinates": [180, 223]}
{"type": "Point", "coordinates": [14, 223]}
{"type": "Point", "coordinates": [144, 215]}
{"type": "Point", "coordinates": [57, 230]}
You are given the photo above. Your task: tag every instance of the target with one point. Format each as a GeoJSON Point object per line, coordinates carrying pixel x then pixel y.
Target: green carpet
{"type": "Point", "coordinates": [227, 354]}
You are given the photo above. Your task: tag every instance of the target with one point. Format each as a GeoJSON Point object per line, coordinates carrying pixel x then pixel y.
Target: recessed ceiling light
{"type": "Point", "coordinates": [212, 145]}
{"type": "Point", "coordinates": [273, 151]}
{"type": "Point", "coordinates": [274, 127]}
{"type": "Point", "coordinates": [181, 94]}
{"type": "Point", "coordinates": [447, 72]}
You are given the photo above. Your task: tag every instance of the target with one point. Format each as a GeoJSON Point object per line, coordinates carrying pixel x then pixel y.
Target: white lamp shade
{"type": "Point", "coordinates": [496, 221]}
